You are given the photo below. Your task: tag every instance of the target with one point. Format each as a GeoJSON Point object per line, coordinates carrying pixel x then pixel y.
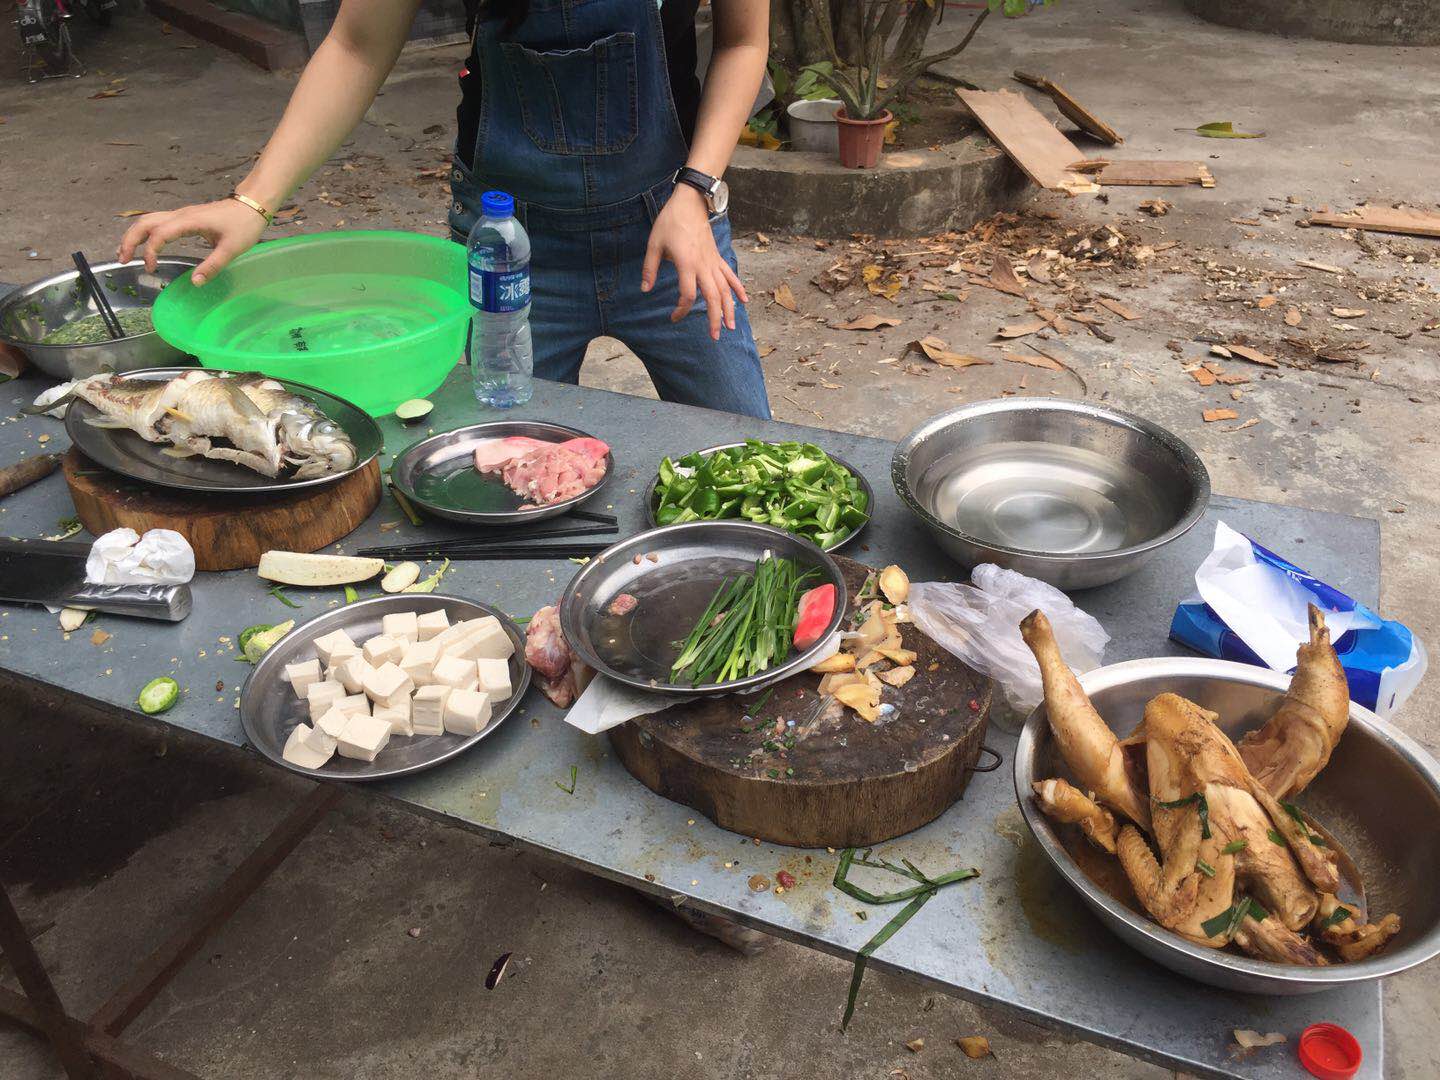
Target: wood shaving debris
{"type": "Point", "coordinates": [1212, 415]}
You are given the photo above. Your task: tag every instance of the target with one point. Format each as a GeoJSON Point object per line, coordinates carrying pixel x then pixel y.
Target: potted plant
{"type": "Point", "coordinates": [875, 78]}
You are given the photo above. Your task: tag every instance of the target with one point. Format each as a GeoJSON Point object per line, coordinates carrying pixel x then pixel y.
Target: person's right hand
{"type": "Point", "coordinates": [228, 225]}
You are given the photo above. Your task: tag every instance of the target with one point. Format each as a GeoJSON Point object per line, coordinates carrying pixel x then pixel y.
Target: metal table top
{"type": "Point", "coordinates": [1016, 938]}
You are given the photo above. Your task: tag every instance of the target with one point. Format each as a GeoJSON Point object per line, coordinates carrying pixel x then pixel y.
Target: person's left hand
{"type": "Point", "coordinates": [681, 233]}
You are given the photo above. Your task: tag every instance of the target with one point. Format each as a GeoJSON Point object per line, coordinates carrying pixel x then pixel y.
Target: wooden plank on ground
{"type": "Point", "coordinates": [1155, 174]}
{"type": "Point", "coordinates": [1031, 141]}
{"type": "Point", "coordinates": [1384, 219]}
{"type": "Point", "coordinates": [1082, 117]}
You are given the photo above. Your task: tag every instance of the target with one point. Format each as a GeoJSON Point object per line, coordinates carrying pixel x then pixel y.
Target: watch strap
{"type": "Point", "coordinates": [701, 182]}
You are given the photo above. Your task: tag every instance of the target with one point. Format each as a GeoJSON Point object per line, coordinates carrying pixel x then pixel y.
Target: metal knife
{"type": "Point", "coordinates": [53, 572]}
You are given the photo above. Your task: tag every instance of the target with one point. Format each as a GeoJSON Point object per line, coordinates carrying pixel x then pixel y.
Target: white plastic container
{"type": "Point", "coordinates": [813, 127]}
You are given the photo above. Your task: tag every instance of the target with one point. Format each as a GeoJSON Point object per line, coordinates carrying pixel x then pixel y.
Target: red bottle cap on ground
{"type": "Point", "coordinates": [1329, 1052]}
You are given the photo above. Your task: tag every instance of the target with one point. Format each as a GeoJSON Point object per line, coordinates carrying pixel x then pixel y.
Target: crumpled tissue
{"type": "Point", "coordinates": [605, 703]}
{"type": "Point", "coordinates": [124, 557]}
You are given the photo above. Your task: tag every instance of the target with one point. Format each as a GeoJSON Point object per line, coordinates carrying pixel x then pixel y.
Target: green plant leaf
{"type": "Point", "coordinates": [1224, 129]}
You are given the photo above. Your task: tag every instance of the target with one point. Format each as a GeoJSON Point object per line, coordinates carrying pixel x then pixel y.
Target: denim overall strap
{"type": "Point", "coordinates": [576, 109]}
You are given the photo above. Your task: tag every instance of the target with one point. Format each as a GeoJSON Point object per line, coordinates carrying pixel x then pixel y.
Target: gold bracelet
{"type": "Point", "coordinates": [266, 214]}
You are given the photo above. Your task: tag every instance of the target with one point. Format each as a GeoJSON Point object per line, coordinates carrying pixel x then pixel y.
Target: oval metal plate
{"type": "Point", "coordinates": [128, 454]}
{"type": "Point", "coordinates": [269, 709]}
{"type": "Point", "coordinates": [438, 473]}
{"type": "Point", "coordinates": [650, 499]}
{"type": "Point", "coordinates": [690, 562]}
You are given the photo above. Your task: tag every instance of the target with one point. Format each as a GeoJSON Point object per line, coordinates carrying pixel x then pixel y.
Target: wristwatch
{"type": "Point", "coordinates": [716, 191]}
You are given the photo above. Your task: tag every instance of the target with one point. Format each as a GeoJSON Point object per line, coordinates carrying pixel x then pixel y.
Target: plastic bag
{"type": "Point", "coordinates": [980, 623]}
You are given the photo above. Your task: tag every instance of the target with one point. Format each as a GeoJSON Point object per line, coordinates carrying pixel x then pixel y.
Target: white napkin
{"type": "Point", "coordinates": [124, 557]}
{"type": "Point", "coordinates": [1263, 606]}
{"type": "Point", "coordinates": [607, 703]}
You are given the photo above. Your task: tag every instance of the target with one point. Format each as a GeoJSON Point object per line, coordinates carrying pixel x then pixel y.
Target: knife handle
{"type": "Point", "coordinates": [169, 603]}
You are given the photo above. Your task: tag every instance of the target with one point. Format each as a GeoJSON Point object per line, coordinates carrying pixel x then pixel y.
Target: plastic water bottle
{"type": "Point", "coordinates": [498, 250]}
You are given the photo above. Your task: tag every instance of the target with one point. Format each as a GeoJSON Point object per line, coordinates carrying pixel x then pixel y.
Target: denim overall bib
{"type": "Point", "coordinates": [578, 123]}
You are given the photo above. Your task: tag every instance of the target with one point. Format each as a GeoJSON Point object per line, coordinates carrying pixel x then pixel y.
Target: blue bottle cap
{"type": "Point", "coordinates": [497, 204]}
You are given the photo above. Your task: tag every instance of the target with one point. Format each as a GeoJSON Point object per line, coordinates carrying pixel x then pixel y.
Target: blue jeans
{"type": "Point", "coordinates": [585, 282]}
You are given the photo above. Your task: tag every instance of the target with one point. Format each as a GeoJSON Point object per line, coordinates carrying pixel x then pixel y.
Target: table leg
{"type": "Point", "coordinates": [50, 1014]}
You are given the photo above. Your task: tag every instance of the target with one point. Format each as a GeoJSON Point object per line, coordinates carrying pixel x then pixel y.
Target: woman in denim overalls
{"type": "Point", "coordinates": [577, 120]}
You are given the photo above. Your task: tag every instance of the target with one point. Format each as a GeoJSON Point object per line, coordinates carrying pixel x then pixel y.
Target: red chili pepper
{"type": "Point", "coordinates": [813, 615]}
{"type": "Point", "coordinates": [974, 705]}
{"type": "Point", "coordinates": [786, 879]}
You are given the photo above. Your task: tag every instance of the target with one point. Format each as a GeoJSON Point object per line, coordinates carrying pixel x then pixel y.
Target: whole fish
{"type": "Point", "coordinates": [247, 419]}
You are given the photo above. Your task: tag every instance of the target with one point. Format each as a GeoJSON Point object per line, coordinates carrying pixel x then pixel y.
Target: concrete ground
{"type": "Point", "coordinates": [107, 836]}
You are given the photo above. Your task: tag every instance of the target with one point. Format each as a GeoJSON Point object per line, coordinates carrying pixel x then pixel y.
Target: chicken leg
{"type": "Point", "coordinates": [1086, 742]}
{"type": "Point", "coordinates": [1065, 803]}
{"type": "Point", "coordinates": [1295, 744]}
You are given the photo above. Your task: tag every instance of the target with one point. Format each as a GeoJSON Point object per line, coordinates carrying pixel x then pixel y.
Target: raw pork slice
{"type": "Point", "coordinates": [543, 473]}
{"type": "Point", "coordinates": [561, 674]}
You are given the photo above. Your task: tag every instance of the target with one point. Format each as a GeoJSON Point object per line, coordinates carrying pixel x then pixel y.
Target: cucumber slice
{"type": "Point", "coordinates": [414, 410]}
{"type": "Point", "coordinates": [158, 695]}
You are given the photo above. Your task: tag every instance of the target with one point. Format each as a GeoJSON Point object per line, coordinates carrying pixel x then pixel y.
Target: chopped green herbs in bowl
{"type": "Point", "coordinates": [793, 486]}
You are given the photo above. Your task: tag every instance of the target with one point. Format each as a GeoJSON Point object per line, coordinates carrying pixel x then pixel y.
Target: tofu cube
{"type": "Point", "coordinates": [466, 712]}
{"type": "Point", "coordinates": [308, 748]}
{"type": "Point", "coordinates": [427, 710]}
{"type": "Point", "coordinates": [403, 626]}
{"type": "Point", "coordinates": [488, 640]}
{"type": "Point", "coordinates": [419, 661]}
{"type": "Point", "coordinates": [352, 674]}
{"type": "Point", "coordinates": [335, 648]}
{"type": "Point", "coordinates": [355, 704]}
{"type": "Point", "coordinates": [321, 696]}
{"type": "Point", "coordinates": [386, 683]}
{"type": "Point", "coordinates": [397, 716]}
{"type": "Point", "coordinates": [302, 676]}
{"type": "Point", "coordinates": [364, 738]}
{"type": "Point", "coordinates": [494, 678]}
{"type": "Point", "coordinates": [431, 623]}
{"type": "Point", "coordinates": [383, 650]}
{"type": "Point", "coordinates": [453, 672]}
{"type": "Point", "coordinates": [334, 722]}
{"type": "Point", "coordinates": [451, 634]}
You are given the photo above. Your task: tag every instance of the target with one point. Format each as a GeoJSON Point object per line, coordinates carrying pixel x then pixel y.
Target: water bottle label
{"type": "Point", "coordinates": [499, 290]}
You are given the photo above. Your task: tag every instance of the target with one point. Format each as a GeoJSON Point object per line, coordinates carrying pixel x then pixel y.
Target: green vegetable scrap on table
{"type": "Point", "coordinates": [158, 695]}
{"type": "Point", "coordinates": [792, 485]}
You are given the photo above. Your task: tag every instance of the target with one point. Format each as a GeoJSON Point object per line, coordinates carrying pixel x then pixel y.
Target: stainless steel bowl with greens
{"type": "Point", "coordinates": [793, 486]}
{"type": "Point", "coordinates": [55, 323]}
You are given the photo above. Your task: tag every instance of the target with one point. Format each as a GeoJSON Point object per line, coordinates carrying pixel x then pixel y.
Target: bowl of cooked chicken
{"type": "Point", "coordinates": [1253, 830]}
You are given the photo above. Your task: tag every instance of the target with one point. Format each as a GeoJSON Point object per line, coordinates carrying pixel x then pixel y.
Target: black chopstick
{"type": "Point", "coordinates": [538, 551]}
{"type": "Point", "coordinates": [107, 313]}
{"type": "Point", "coordinates": [591, 515]}
{"type": "Point", "coordinates": [467, 543]}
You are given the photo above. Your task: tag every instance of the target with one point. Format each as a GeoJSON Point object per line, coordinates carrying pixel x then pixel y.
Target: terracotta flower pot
{"type": "Point", "coordinates": [861, 140]}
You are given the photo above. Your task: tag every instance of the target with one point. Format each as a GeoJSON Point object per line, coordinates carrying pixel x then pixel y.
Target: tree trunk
{"type": "Point", "coordinates": [845, 17]}
{"type": "Point", "coordinates": [910, 43]}
{"type": "Point", "coordinates": [782, 33]}
{"type": "Point", "coordinates": [809, 45]}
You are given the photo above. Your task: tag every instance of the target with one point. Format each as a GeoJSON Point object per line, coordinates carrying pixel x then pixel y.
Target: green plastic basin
{"type": "Point", "coordinates": [374, 317]}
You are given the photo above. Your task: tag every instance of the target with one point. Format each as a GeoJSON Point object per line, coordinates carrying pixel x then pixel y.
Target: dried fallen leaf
{"type": "Point", "coordinates": [785, 297]}
{"type": "Point", "coordinates": [758, 883]}
{"type": "Point", "coordinates": [109, 92]}
{"type": "Point", "coordinates": [1255, 356]}
{"type": "Point", "coordinates": [1212, 415]}
{"type": "Point", "coordinates": [974, 1046]}
{"type": "Point", "coordinates": [881, 283]}
{"type": "Point", "coordinates": [765, 350]}
{"type": "Point", "coordinates": [1034, 361]}
{"type": "Point", "coordinates": [1002, 277]}
{"type": "Point", "coordinates": [935, 349]}
{"type": "Point", "coordinates": [1292, 316]}
{"type": "Point", "coordinates": [1266, 302]}
{"type": "Point", "coordinates": [1349, 312]}
{"type": "Point", "coordinates": [868, 321]}
{"type": "Point", "coordinates": [1127, 313]}
{"type": "Point", "coordinates": [131, 213]}
{"type": "Point", "coordinates": [99, 637]}
{"type": "Point", "coordinates": [1021, 329]}
{"type": "Point", "coordinates": [1224, 129]}
{"type": "Point", "coordinates": [915, 1045]}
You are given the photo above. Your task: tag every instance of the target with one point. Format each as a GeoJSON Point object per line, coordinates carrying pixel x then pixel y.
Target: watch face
{"type": "Point", "coordinates": [720, 196]}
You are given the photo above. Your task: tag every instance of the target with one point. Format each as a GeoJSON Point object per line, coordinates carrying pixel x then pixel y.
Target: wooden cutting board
{"type": "Point", "coordinates": [843, 782]}
{"type": "Point", "coordinates": [228, 532]}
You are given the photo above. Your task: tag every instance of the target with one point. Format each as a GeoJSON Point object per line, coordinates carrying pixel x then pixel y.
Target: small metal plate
{"type": "Point", "coordinates": [691, 562]}
{"type": "Point", "coordinates": [439, 475]}
{"type": "Point", "coordinates": [128, 454]}
{"type": "Point", "coordinates": [651, 501]}
{"type": "Point", "coordinates": [269, 709]}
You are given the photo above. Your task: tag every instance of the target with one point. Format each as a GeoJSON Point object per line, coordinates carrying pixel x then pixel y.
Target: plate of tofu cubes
{"type": "Point", "coordinates": [385, 687]}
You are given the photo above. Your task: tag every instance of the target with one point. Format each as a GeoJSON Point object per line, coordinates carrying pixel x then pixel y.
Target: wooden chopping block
{"type": "Point", "coordinates": [845, 782]}
{"type": "Point", "coordinates": [228, 532]}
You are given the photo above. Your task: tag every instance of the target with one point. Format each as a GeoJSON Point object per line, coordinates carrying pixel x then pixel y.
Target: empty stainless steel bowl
{"type": "Point", "coordinates": [30, 312]}
{"type": "Point", "coordinates": [1379, 797]}
{"type": "Point", "coordinates": [1063, 491]}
